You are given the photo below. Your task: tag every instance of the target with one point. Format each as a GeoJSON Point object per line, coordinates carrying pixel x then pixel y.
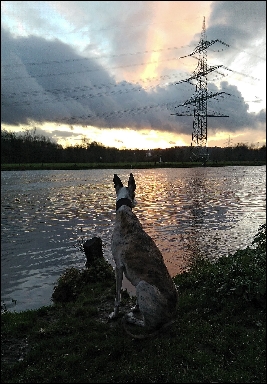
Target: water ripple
{"type": "Point", "coordinates": [46, 215]}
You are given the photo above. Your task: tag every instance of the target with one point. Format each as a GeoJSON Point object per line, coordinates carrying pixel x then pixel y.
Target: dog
{"type": "Point", "coordinates": [139, 259]}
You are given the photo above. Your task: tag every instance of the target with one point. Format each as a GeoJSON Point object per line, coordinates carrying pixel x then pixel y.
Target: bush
{"type": "Point", "coordinates": [240, 277]}
{"type": "Point", "coordinates": [73, 281]}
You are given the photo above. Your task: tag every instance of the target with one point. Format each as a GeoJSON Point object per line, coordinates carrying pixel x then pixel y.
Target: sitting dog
{"type": "Point", "coordinates": [137, 256]}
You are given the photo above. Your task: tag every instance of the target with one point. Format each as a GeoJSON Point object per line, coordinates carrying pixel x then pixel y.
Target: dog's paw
{"type": "Point", "coordinates": [131, 319]}
{"type": "Point", "coordinates": [113, 316]}
{"type": "Point", "coordinates": [135, 309]}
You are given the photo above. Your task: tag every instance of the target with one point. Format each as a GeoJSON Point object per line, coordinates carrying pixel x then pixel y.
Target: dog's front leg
{"type": "Point", "coordinates": [136, 307]}
{"type": "Point", "coordinates": [119, 276]}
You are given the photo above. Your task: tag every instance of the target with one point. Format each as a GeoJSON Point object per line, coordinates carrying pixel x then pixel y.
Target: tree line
{"type": "Point", "coordinates": [29, 147]}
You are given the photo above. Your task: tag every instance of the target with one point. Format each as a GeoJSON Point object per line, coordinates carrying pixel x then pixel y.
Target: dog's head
{"type": "Point", "coordinates": [125, 192]}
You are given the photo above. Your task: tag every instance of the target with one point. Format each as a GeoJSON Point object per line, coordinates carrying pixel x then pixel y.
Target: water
{"type": "Point", "coordinates": [47, 214]}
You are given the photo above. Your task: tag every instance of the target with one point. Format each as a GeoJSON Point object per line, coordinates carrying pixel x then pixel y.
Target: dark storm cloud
{"type": "Point", "coordinates": [249, 16]}
{"type": "Point", "coordinates": [47, 81]}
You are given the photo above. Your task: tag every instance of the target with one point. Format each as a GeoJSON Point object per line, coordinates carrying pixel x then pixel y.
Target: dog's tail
{"type": "Point", "coordinates": [147, 335]}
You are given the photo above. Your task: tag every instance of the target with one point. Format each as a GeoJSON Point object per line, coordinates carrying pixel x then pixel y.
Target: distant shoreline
{"type": "Point", "coordinates": [141, 165]}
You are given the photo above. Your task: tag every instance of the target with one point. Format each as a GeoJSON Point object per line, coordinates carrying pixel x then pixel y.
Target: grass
{"type": "Point", "coordinates": [121, 165]}
{"type": "Point", "coordinates": [219, 333]}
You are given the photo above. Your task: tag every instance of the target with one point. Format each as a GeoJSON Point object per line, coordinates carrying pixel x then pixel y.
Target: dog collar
{"type": "Point", "coordinates": [123, 201]}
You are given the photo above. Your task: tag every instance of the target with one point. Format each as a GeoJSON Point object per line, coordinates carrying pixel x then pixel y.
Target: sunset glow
{"type": "Point", "coordinates": [131, 139]}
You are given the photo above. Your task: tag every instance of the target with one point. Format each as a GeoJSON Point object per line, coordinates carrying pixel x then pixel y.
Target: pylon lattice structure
{"type": "Point", "coordinates": [200, 97]}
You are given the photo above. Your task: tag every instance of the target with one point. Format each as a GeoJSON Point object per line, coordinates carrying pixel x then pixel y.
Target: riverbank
{"type": "Point", "coordinates": [141, 165]}
{"type": "Point", "coordinates": [218, 336]}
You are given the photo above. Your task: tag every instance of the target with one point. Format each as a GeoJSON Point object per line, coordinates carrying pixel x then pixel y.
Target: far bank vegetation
{"type": "Point", "coordinates": [28, 147]}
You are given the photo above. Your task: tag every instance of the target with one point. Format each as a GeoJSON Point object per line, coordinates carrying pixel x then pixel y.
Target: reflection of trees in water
{"type": "Point", "coordinates": [197, 192]}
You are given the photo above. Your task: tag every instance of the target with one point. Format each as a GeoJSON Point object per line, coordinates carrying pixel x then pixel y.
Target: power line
{"type": "Point", "coordinates": [120, 55]}
{"type": "Point", "coordinates": [69, 93]}
{"type": "Point", "coordinates": [84, 59]}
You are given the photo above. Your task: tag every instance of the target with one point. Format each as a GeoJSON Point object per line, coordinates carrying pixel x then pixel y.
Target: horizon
{"type": "Point", "coordinates": [87, 142]}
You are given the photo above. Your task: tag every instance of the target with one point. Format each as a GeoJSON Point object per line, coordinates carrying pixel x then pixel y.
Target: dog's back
{"type": "Point", "coordinates": [141, 258]}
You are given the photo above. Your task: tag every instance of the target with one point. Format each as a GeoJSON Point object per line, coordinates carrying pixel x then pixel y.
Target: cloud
{"type": "Point", "coordinates": [241, 24]}
{"type": "Point", "coordinates": [245, 16]}
{"type": "Point", "coordinates": [134, 85]}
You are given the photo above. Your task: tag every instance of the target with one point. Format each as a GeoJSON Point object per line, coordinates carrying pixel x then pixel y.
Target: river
{"type": "Point", "coordinates": [46, 216]}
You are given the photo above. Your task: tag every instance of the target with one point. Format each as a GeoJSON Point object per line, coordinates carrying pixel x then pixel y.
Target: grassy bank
{"type": "Point", "coordinates": [218, 336]}
{"type": "Point", "coordinates": [141, 165]}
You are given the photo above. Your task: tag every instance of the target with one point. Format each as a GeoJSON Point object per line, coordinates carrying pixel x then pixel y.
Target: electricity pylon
{"type": "Point", "coordinates": [200, 97]}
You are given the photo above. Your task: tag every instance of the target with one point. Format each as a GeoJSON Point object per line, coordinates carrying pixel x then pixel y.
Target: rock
{"type": "Point", "coordinates": [93, 250]}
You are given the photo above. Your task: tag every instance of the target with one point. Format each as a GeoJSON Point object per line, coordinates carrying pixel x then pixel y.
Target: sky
{"type": "Point", "coordinates": [118, 72]}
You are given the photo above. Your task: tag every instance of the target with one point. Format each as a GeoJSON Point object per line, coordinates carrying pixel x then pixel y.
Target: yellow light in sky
{"type": "Point", "coordinates": [151, 68]}
{"type": "Point", "coordinates": [154, 43]}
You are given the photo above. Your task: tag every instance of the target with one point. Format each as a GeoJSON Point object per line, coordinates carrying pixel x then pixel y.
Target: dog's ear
{"type": "Point", "coordinates": [117, 182]}
{"type": "Point", "coordinates": [131, 185]}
